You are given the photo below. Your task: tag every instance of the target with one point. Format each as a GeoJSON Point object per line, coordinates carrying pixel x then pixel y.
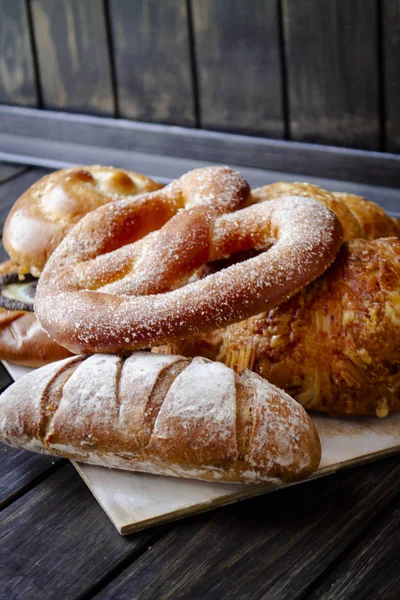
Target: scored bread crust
{"type": "Point", "coordinates": [22, 339]}
{"type": "Point", "coordinates": [45, 213]}
{"type": "Point", "coordinates": [162, 414]}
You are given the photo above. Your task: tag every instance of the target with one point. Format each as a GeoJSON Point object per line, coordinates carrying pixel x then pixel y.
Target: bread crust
{"type": "Point", "coordinates": [162, 414]}
{"type": "Point", "coordinates": [22, 339]}
{"type": "Point", "coordinates": [335, 347]}
{"type": "Point", "coordinates": [44, 214]}
{"type": "Point", "coordinates": [325, 346]}
{"type": "Point", "coordinates": [359, 217]}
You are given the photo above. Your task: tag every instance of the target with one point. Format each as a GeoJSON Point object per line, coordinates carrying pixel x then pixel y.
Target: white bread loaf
{"type": "Point", "coordinates": [161, 414]}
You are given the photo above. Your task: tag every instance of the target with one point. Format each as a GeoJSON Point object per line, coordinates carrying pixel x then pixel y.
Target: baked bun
{"type": "Point", "coordinates": [359, 217]}
{"type": "Point", "coordinates": [22, 340]}
{"type": "Point", "coordinates": [335, 346]}
{"type": "Point", "coordinates": [374, 221]}
{"type": "Point", "coordinates": [43, 215]}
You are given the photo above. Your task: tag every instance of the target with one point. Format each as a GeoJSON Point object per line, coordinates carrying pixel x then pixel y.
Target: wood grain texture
{"type": "Point", "coordinates": [20, 470]}
{"type": "Point", "coordinates": [371, 569]}
{"type": "Point", "coordinates": [238, 61]}
{"type": "Point", "coordinates": [166, 168]}
{"type": "Point", "coordinates": [272, 547]}
{"type": "Point", "coordinates": [68, 138]}
{"type": "Point", "coordinates": [17, 73]}
{"type": "Point", "coordinates": [152, 60]}
{"type": "Point", "coordinates": [3, 254]}
{"type": "Point", "coordinates": [10, 170]}
{"type": "Point", "coordinates": [12, 189]}
{"type": "Point", "coordinates": [332, 66]}
{"type": "Point", "coordinates": [391, 72]}
{"type": "Point", "coordinates": [73, 55]}
{"type": "Point", "coordinates": [56, 542]}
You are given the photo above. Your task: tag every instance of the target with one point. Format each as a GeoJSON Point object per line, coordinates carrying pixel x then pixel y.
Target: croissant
{"type": "Point", "coordinates": [335, 346]}
{"type": "Point", "coordinates": [161, 414]}
{"type": "Point", "coordinates": [359, 217]}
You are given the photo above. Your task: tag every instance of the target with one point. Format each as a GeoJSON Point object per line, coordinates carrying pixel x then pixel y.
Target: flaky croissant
{"type": "Point", "coordinates": [359, 217]}
{"type": "Point", "coordinates": [335, 346]}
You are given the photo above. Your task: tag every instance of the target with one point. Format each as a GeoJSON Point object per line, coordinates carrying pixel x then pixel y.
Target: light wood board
{"type": "Point", "coordinates": [134, 501]}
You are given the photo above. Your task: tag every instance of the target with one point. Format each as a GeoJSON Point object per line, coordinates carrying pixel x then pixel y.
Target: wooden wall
{"type": "Point", "coordinates": [325, 71]}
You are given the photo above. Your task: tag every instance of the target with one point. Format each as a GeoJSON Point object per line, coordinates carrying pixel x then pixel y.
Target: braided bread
{"type": "Point", "coordinates": [161, 414]}
{"type": "Point", "coordinates": [107, 286]}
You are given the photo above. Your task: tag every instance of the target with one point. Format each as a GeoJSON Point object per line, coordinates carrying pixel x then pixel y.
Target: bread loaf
{"type": "Point", "coordinates": [162, 414]}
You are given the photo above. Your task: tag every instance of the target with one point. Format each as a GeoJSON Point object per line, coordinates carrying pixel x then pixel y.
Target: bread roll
{"type": "Point", "coordinates": [22, 339]}
{"type": "Point", "coordinates": [45, 213]}
{"type": "Point", "coordinates": [359, 217]}
{"type": "Point", "coordinates": [161, 414]}
{"type": "Point", "coordinates": [335, 346]}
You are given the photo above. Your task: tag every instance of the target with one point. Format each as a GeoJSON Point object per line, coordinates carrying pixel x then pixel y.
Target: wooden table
{"type": "Point", "coordinates": [335, 538]}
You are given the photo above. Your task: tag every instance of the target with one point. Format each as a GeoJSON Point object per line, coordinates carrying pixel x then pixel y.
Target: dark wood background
{"type": "Point", "coordinates": [325, 71]}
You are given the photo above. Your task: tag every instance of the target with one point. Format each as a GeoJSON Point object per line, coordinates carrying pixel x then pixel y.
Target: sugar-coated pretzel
{"type": "Point", "coordinates": [107, 286]}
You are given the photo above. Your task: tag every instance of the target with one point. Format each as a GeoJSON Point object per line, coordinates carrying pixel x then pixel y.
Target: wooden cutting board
{"type": "Point", "coordinates": [134, 501]}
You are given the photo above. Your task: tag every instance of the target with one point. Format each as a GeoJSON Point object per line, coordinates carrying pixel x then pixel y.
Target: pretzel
{"type": "Point", "coordinates": [43, 215]}
{"type": "Point", "coordinates": [115, 282]}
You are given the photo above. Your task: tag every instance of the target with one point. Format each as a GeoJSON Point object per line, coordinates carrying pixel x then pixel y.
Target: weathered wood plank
{"type": "Point", "coordinates": [272, 547]}
{"type": "Point", "coordinates": [19, 470]}
{"type": "Point", "coordinates": [391, 71]}
{"type": "Point", "coordinates": [12, 189]}
{"type": "Point", "coordinates": [56, 542]}
{"type": "Point", "coordinates": [3, 254]}
{"type": "Point", "coordinates": [17, 72]}
{"type": "Point", "coordinates": [166, 168]}
{"type": "Point", "coordinates": [9, 170]}
{"type": "Point", "coordinates": [53, 137]}
{"type": "Point", "coordinates": [73, 55]}
{"type": "Point", "coordinates": [8, 173]}
{"type": "Point", "coordinates": [371, 569]}
{"type": "Point", "coordinates": [332, 66]}
{"type": "Point", "coordinates": [239, 66]}
{"type": "Point", "coordinates": [152, 60]}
